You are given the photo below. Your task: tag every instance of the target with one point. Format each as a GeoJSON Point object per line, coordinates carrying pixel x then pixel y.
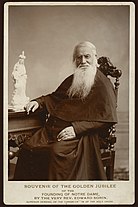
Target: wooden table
{"type": "Point", "coordinates": [20, 126]}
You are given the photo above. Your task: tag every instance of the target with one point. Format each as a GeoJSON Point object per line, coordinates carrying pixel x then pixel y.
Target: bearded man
{"type": "Point", "coordinates": [79, 112]}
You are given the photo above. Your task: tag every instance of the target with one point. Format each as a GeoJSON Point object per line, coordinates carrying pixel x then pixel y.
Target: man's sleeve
{"type": "Point", "coordinates": [41, 101]}
{"type": "Point", "coordinates": [85, 126]}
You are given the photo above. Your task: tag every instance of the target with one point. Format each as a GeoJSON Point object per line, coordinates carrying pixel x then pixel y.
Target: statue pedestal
{"type": "Point", "coordinates": [18, 106]}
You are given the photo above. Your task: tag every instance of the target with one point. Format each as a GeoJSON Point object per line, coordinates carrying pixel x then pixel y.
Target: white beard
{"type": "Point", "coordinates": [83, 81]}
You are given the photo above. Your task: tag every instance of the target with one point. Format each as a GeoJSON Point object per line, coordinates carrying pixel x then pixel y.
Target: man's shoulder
{"type": "Point", "coordinates": [102, 79]}
{"type": "Point", "coordinates": [68, 79]}
{"type": "Point", "coordinates": [65, 84]}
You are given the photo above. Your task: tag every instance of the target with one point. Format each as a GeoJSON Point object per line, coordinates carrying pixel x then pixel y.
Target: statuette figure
{"type": "Point", "coordinates": [19, 98]}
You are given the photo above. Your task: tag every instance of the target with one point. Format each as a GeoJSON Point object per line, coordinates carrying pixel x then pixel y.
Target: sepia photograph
{"type": "Point", "coordinates": [69, 103]}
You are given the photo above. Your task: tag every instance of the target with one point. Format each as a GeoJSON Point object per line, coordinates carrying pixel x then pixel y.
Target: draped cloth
{"type": "Point", "coordinates": [44, 158]}
{"type": "Point", "coordinates": [100, 104]}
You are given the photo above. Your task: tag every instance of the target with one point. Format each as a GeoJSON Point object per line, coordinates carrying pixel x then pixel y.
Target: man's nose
{"type": "Point", "coordinates": [83, 59]}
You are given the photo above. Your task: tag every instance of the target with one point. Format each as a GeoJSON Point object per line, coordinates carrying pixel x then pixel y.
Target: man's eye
{"type": "Point", "coordinates": [78, 58]}
{"type": "Point", "coordinates": [87, 56]}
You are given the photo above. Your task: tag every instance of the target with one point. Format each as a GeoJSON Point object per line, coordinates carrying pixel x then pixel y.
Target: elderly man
{"type": "Point", "coordinates": [79, 112]}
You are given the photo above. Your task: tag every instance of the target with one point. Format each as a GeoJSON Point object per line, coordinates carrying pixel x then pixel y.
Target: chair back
{"type": "Point", "coordinates": [107, 144]}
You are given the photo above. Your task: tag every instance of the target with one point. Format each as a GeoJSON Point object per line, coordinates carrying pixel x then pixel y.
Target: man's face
{"type": "Point", "coordinates": [84, 57]}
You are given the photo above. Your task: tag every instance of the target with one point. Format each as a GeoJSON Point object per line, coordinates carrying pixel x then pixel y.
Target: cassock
{"type": "Point", "coordinates": [42, 157]}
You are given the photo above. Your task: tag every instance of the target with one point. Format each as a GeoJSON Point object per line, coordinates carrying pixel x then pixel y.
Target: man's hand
{"type": "Point", "coordinates": [66, 134]}
{"type": "Point", "coordinates": [31, 106]}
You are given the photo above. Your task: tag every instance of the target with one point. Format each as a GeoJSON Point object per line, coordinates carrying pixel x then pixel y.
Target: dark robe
{"type": "Point", "coordinates": [42, 157]}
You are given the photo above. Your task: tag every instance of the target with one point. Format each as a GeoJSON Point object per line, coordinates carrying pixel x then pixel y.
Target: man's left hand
{"type": "Point", "coordinates": [66, 134]}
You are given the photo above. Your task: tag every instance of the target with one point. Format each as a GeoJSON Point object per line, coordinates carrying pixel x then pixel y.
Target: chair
{"type": "Point", "coordinates": [107, 144]}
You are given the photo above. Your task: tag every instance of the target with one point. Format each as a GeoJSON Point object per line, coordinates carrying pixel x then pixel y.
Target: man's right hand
{"type": "Point", "coordinates": [31, 106]}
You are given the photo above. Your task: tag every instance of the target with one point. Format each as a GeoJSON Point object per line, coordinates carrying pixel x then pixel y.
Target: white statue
{"type": "Point", "coordinates": [19, 99]}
